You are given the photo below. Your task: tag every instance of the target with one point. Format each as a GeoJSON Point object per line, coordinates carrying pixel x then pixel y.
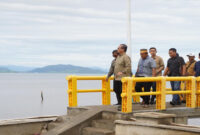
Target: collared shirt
{"type": "Point", "coordinates": [122, 64]}
{"type": "Point", "coordinates": [175, 64]}
{"type": "Point", "coordinates": [111, 71]}
{"type": "Point", "coordinates": [145, 67]}
{"type": "Point", "coordinates": [190, 68]}
{"type": "Point", "coordinates": [197, 69]}
{"type": "Point", "coordinates": [159, 64]}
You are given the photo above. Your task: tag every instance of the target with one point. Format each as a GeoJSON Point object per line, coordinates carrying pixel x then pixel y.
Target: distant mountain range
{"type": "Point", "coordinates": [18, 68]}
{"type": "Point", "coordinates": [51, 69]}
{"type": "Point", "coordinates": [5, 70]}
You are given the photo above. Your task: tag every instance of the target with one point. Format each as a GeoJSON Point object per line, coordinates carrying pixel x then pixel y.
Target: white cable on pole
{"type": "Point", "coordinates": [129, 52]}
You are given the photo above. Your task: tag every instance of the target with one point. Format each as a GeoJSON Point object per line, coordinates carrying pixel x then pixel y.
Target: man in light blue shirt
{"type": "Point", "coordinates": [146, 68]}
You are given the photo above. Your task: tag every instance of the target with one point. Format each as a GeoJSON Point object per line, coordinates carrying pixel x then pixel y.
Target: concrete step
{"type": "Point", "coordinates": [103, 123]}
{"type": "Point", "coordinates": [96, 131]}
{"type": "Point", "coordinates": [113, 116]}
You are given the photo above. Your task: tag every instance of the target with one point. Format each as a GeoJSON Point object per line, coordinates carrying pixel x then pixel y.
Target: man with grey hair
{"type": "Point", "coordinates": [122, 69]}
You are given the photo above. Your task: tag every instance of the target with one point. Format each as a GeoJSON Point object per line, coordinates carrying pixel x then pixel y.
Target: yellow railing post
{"type": "Point", "coordinates": [161, 98]}
{"type": "Point", "coordinates": [127, 84]}
{"type": "Point", "coordinates": [183, 86]}
{"type": "Point", "coordinates": [136, 99]}
{"type": "Point", "coordinates": [106, 92]}
{"type": "Point", "coordinates": [72, 91]}
{"type": "Point", "coordinates": [193, 93]}
{"type": "Point", "coordinates": [190, 97]}
{"type": "Point", "coordinates": [198, 92]}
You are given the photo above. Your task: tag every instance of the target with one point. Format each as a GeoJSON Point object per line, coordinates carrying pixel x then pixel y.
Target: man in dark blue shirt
{"type": "Point", "coordinates": [197, 68]}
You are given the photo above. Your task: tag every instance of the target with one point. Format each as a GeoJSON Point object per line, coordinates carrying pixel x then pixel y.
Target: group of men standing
{"type": "Point", "coordinates": [151, 66]}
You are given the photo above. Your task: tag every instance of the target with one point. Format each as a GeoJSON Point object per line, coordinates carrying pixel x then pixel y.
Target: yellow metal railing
{"type": "Point", "coordinates": [72, 89]}
{"type": "Point", "coordinates": [161, 91]}
{"type": "Point", "coordinates": [192, 90]}
{"type": "Point", "coordinates": [129, 83]}
{"type": "Point", "coordinates": [106, 97]}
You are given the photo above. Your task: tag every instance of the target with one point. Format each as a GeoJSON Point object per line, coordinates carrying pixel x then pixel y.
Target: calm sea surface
{"type": "Point", "coordinates": [20, 95]}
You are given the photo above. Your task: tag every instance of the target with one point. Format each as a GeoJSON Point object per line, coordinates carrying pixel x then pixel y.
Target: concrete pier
{"type": "Point", "coordinates": [109, 120]}
{"type": "Point", "coordinates": [101, 120]}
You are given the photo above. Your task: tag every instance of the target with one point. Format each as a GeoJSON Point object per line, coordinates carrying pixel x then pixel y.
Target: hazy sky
{"type": "Point", "coordinates": [84, 32]}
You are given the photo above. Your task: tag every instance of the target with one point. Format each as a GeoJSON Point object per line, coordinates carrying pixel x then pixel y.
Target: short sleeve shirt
{"type": "Point", "coordinates": [174, 65]}
{"type": "Point", "coordinates": [145, 67]}
{"type": "Point", "coordinates": [159, 63]}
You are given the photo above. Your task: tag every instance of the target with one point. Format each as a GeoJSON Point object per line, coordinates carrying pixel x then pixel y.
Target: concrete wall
{"type": "Point", "coordinates": [29, 126]}
{"type": "Point", "coordinates": [22, 129]}
{"type": "Point", "coordinates": [135, 128]}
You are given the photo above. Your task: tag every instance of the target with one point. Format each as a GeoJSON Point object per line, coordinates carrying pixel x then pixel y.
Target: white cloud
{"type": "Point", "coordinates": [84, 32]}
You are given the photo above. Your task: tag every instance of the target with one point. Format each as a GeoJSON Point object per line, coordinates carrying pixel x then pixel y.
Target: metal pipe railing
{"type": "Point", "coordinates": [192, 90]}
{"type": "Point", "coordinates": [161, 91]}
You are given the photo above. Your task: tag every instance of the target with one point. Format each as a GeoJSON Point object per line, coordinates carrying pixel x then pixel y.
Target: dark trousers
{"type": "Point", "coordinates": [176, 86]}
{"type": "Point", "coordinates": [154, 90]}
{"type": "Point", "coordinates": [118, 90]}
{"type": "Point", "coordinates": [147, 87]}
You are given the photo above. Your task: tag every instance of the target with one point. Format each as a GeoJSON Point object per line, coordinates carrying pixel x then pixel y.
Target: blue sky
{"type": "Point", "coordinates": [84, 32]}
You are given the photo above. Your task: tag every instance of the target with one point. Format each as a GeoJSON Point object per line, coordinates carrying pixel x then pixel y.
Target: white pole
{"type": "Point", "coordinates": [129, 52]}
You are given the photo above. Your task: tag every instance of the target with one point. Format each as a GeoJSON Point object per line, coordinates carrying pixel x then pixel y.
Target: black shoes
{"type": "Point", "coordinates": [183, 101]}
{"type": "Point", "coordinates": [118, 104]}
{"type": "Point", "coordinates": [173, 103]}
{"type": "Point", "coordinates": [152, 102]}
